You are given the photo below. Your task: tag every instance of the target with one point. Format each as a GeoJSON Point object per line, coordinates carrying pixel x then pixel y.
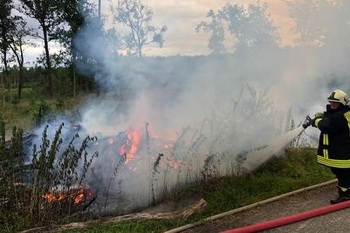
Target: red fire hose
{"type": "Point", "coordinates": [289, 219]}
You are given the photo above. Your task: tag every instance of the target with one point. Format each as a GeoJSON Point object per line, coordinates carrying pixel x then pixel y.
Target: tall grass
{"type": "Point", "coordinates": [202, 155]}
{"type": "Point", "coordinates": [26, 112]}
{"type": "Point", "coordinates": [297, 169]}
{"type": "Point", "coordinates": [54, 171]}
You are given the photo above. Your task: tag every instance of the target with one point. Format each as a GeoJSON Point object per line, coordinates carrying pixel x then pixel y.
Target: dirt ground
{"type": "Point", "coordinates": [338, 221]}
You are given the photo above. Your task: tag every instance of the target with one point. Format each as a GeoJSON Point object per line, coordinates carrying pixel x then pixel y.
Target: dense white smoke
{"type": "Point", "coordinates": [195, 115]}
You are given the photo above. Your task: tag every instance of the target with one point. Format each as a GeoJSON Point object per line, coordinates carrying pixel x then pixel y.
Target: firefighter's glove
{"type": "Point", "coordinates": [318, 117]}
{"type": "Point", "coordinates": [307, 122]}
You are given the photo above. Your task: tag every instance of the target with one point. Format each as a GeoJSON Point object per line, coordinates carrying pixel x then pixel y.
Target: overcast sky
{"type": "Point", "coordinates": [181, 17]}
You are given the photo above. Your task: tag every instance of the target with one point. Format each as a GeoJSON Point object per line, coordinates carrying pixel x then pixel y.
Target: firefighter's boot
{"type": "Point", "coordinates": [343, 195]}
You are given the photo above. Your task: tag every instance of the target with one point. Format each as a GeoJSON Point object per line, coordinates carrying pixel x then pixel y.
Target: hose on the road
{"type": "Point", "coordinates": [289, 219]}
{"type": "Point", "coordinates": [244, 208]}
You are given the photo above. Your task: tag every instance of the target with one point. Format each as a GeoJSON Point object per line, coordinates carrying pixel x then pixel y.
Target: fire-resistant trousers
{"type": "Point", "coordinates": [343, 176]}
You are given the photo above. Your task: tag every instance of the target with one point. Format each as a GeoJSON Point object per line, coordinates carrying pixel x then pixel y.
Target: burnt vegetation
{"type": "Point", "coordinates": [48, 188]}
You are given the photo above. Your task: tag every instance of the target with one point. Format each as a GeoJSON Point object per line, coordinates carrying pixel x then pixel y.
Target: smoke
{"type": "Point", "coordinates": [209, 109]}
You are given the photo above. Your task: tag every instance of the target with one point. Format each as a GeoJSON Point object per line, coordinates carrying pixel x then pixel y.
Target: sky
{"type": "Point", "coordinates": [181, 18]}
{"type": "Point", "coordinates": [188, 14]}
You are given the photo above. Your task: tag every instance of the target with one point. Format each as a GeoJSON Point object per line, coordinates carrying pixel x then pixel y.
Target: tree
{"type": "Point", "coordinates": [17, 41]}
{"type": "Point", "coordinates": [112, 37]}
{"type": "Point", "coordinates": [6, 25]}
{"type": "Point", "coordinates": [47, 13]}
{"type": "Point", "coordinates": [305, 14]}
{"type": "Point", "coordinates": [318, 22]}
{"type": "Point", "coordinates": [137, 17]}
{"type": "Point", "coordinates": [251, 27]}
{"type": "Point", "coordinates": [217, 38]}
{"type": "Point", "coordinates": [339, 26]}
{"type": "Point", "coordinates": [74, 13]}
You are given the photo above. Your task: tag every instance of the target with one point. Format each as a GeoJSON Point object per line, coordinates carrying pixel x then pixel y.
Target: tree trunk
{"type": "Point", "coordinates": [20, 78]}
{"type": "Point", "coordinates": [20, 83]}
{"type": "Point", "coordinates": [86, 85]}
{"type": "Point", "coordinates": [3, 86]}
{"type": "Point", "coordinates": [20, 61]}
{"type": "Point", "coordinates": [139, 48]}
{"type": "Point", "coordinates": [5, 77]}
{"type": "Point", "coordinates": [74, 83]}
{"type": "Point", "coordinates": [3, 96]}
{"type": "Point", "coordinates": [74, 76]}
{"type": "Point", "coordinates": [48, 63]}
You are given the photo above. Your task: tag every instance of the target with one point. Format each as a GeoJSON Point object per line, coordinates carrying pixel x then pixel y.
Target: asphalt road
{"type": "Point", "coordinates": [338, 221]}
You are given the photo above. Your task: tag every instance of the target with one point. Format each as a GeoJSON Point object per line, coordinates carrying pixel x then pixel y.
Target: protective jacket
{"type": "Point", "coordinates": [334, 142]}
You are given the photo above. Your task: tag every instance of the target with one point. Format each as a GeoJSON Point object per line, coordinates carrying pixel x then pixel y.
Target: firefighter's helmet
{"type": "Point", "coordinates": [338, 96]}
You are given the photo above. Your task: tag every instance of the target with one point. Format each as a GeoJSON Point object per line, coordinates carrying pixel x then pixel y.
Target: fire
{"type": "Point", "coordinates": [54, 197]}
{"type": "Point", "coordinates": [77, 195]}
{"type": "Point", "coordinates": [131, 145]}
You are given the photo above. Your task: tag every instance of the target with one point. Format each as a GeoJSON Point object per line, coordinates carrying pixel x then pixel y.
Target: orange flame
{"type": "Point", "coordinates": [54, 197]}
{"type": "Point", "coordinates": [77, 195]}
{"type": "Point", "coordinates": [131, 144]}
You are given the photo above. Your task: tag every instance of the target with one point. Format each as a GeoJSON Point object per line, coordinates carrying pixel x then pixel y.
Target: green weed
{"type": "Point", "coordinates": [297, 169]}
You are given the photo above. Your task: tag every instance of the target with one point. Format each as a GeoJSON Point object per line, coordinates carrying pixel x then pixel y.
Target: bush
{"type": "Point", "coordinates": [46, 190]}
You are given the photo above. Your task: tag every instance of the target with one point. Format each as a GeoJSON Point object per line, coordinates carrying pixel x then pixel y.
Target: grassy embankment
{"type": "Point", "coordinates": [296, 170]}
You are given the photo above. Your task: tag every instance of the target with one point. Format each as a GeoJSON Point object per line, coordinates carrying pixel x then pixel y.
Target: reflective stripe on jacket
{"type": "Point", "coordinates": [334, 141]}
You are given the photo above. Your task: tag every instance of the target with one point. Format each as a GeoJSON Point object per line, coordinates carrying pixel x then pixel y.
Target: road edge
{"type": "Point", "coordinates": [247, 207]}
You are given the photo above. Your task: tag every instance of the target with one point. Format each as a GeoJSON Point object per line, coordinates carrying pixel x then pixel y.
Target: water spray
{"type": "Point", "coordinates": [252, 159]}
{"type": "Point", "coordinates": [260, 155]}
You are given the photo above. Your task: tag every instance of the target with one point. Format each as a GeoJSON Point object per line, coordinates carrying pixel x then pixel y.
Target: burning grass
{"type": "Point", "coordinates": [56, 189]}
{"type": "Point", "coordinates": [76, 195]}
{"type": "Point", "coordinates": [135, 169]}
{"type": "Point", "coordinates": [296, 170]}
{"type": "Point", "coordinates": [48, 188]}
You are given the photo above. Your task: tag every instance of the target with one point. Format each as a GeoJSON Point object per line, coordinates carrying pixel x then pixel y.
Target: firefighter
{"type": "Point", "coordinates": [334, 142]}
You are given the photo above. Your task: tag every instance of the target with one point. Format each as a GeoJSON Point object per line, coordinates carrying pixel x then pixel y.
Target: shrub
{"type": "Point", "coordinates": [54, 172]}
